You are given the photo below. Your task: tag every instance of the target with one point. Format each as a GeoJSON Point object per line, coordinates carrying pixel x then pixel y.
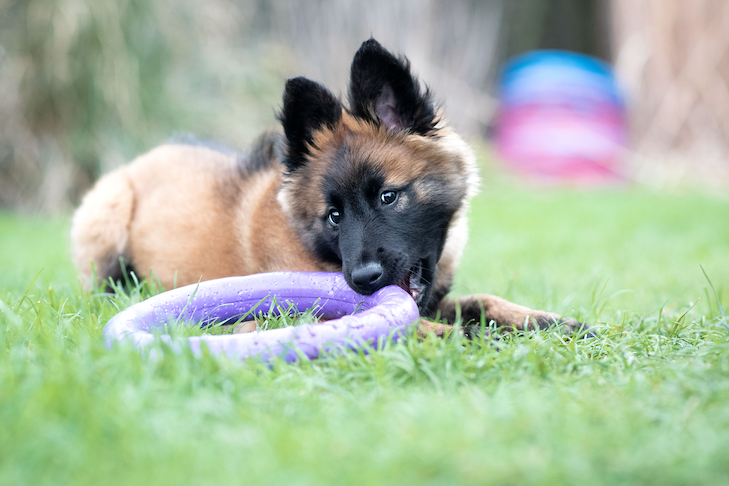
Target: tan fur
{"type": "Point", "coordinates": [426, 327]}
{"type": "Point", "coordinates": [100, 228]}
{"type": "Point", "coordinates": [186, 213]}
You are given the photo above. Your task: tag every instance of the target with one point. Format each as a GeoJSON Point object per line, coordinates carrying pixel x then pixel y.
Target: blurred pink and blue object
{"type": "Point", "coordinates": [561, 119]}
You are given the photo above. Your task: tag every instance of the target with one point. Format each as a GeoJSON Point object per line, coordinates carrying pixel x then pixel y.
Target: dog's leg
{"type": "Point", "coordinates": [506, 315]}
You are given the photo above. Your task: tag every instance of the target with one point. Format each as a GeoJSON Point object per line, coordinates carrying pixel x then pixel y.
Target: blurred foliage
{"type": "Point", "coordinates": [87, 85]}
{"type": "Point", "coordinates": [576, 25]}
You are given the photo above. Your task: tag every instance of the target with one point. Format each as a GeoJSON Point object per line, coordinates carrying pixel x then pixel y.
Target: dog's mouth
{"type": "Point", "coordinates": [413, 282]}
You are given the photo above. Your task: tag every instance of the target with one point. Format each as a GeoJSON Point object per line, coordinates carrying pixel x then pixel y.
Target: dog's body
{"type": "Point", "coordinates": [378, 191]}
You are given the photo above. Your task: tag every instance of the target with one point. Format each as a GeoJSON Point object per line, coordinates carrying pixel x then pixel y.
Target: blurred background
{"type": "Point", "coordinates": [86, 85]}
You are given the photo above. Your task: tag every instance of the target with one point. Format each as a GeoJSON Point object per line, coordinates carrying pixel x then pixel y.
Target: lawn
{"type": "Point", "coordinates": [644, 402]}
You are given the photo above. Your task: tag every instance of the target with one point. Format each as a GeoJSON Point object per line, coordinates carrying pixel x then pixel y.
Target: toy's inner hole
{"type": "Point", "coordinates": [267, 314]}
{"type": "Point", "coordinates": [264, 322]}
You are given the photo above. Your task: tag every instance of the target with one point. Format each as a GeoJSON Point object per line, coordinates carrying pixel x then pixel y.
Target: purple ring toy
{"type": "Point", "coordinates": [388, 312]}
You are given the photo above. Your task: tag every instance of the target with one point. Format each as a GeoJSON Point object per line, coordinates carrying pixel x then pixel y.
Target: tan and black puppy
{"type": "Point", "coordinates": [378, 190]}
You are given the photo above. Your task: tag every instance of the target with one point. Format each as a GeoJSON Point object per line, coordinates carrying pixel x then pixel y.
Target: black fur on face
{"type": "Point", "coordinates": [383, 90]}
{"type": "Point", "coordinates": [307, 106]}
{"type": "Point", "coordinates": [381, 242]}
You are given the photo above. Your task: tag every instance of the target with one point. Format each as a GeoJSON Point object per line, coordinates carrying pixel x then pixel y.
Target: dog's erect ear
{"type": "Point", "coordinates": [307, 106]}
{"type": "Point", "coordinates": [382, 90]}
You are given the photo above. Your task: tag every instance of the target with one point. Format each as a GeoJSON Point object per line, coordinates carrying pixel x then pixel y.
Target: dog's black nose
{"type": "Point", "coordinates": [368, 277]}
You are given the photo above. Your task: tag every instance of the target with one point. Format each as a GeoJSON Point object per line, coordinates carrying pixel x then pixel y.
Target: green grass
{"type": "Point", "coordinates": [646, 402]}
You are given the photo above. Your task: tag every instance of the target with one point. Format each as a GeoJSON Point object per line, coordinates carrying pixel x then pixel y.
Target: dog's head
{"type": "Point", "coordinates": [376, 186]}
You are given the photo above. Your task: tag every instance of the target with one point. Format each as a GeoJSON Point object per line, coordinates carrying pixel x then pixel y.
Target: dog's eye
{"type": "Point", "coordinates": [333, 217]}
{"type": "Point", "coordinates": [388, 197]}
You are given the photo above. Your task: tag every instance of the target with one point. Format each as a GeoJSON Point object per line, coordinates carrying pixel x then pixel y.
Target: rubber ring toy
{"type": "Point", "coordinates": [388, 313]}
